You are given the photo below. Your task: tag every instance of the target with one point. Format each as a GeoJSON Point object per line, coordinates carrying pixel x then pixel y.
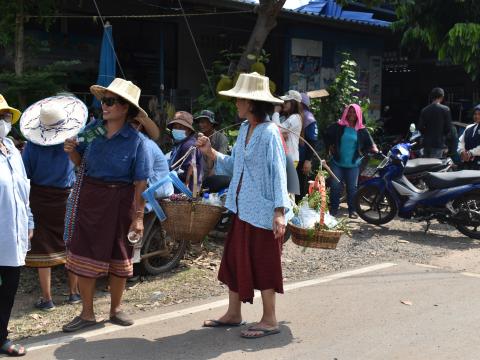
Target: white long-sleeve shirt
{"type": "Point", "coordinates": [16, 218]}
{"type": "Point", "coordinates": [461, 141]}
{"type": "Point", "coordinates": [294, 124]}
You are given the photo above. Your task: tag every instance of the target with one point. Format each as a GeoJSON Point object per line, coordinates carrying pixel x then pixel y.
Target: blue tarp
{"type": "Point", "coordinates": [107, 68]}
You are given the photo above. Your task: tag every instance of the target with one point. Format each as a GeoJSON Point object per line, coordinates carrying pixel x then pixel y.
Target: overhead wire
{"type": "Point", "coordinates": [145, 16]}
{"type": "Point", "coordinates": [187, 23]}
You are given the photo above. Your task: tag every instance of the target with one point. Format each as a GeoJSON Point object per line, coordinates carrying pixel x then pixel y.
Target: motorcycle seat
{"type": "Point", "coordinates": [420, 165]}
{"type": "Point", "coordinates": [446, 180]}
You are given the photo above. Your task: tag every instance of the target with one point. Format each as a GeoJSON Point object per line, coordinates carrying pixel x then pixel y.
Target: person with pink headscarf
{"type": "Point", "coordinates": [347, 141]}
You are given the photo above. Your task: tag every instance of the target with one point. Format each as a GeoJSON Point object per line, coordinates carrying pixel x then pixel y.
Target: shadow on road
{"type": "Point", "coordinates": [456, 241]}
{"type": "Point", "coordinates": [195, 344]}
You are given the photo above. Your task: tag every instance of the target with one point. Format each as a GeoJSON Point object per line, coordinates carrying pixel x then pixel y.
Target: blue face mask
{"type": "Point", "coordinates": [179, 135]}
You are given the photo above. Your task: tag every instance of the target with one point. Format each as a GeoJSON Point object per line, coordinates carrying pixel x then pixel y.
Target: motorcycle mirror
{"type": "Point", "coordinates": [413, 128]}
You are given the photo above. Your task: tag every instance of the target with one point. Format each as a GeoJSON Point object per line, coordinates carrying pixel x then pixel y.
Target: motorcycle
{"type": "Point", "coordinates": [417, 168]}
{"type": "Point", "coordinates": [452, 198]}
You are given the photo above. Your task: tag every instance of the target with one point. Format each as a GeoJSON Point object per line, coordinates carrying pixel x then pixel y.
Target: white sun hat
{"type": "Point", "coordinates": [53, 120]}
{"type": "Point", "coordinates": [131, 93]}
{"type": "Point", "coordinates": [252, 86]}
{"type": "Point", "coordinates": [292, 95]}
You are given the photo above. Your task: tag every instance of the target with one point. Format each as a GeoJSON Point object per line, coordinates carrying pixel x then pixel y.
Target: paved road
{"type": "Point", "coordinates": [353, 315]}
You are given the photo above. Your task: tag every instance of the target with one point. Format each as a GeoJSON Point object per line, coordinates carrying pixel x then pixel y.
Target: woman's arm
{"type": "Point", "coordinates": [70, 146]}
{"type": "Point", "coordinates": [139, 207]}
{"type": "Point", "coordinates": [223, 163]}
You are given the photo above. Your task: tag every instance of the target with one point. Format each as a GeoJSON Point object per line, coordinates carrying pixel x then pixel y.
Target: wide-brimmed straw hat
{"type": "Point", "coordinates": [4, 106]}
{"type": "Point", "coordinates": [131, 93]}
{"type": "Point", "coordinates": [183, 118]}
{"type": "Point", "coordinates": [53, 120]}
{"type": "Point", "coordinates": [252, 86]}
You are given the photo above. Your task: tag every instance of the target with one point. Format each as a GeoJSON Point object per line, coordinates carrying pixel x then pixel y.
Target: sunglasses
{"type": "Point", "coordinates": [110, 101]}
{"type": "Point", "coordinates": [6, 116]}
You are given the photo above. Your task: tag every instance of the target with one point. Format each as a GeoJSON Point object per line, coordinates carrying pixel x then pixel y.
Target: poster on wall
{"type": "Point", "coordinates": [306, 65]}
{"type": "Point", "coordinates": [375, 85]}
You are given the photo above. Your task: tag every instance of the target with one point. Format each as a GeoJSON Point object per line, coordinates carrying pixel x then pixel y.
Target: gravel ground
{"type": "Point", "coordinates": [195, 278]}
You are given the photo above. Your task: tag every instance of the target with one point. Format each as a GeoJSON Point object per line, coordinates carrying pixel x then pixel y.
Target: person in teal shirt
{"type": "Point", "coordinates": [347, 141]}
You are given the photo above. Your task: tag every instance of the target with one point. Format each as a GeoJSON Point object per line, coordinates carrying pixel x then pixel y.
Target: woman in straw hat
{"type": "Point", "coordinates": [16, 223]}
{"type": "Point", "coordinates": [110, 206]}
{"type": "Point", "coordinates": [46, 125]}
{"type": "Point", "coordinates": [259, 199]}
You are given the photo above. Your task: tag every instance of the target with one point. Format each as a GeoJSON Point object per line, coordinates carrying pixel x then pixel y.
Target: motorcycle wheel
{"type": "Point", "coordinates": [373, 210]}
{"type": "Point", "coordinates": [158, 239]}
{"type": "Point", "coordinates": [469, 205]}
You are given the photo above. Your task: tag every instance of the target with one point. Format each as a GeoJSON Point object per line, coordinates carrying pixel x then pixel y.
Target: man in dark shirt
{"type": "Point", "coordinates": [435, 125]}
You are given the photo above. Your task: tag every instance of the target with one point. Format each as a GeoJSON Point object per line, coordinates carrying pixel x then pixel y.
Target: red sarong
{"type": "Point", "coordinates": [251, 260]}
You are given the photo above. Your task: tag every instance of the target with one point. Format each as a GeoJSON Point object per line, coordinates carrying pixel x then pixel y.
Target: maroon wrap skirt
{"type": "Point", "coordinates": [99, 243]}
{"type": "Point", "coordinates": [48, 206]}
{"type": "Point", "coordinates": [251, 260]}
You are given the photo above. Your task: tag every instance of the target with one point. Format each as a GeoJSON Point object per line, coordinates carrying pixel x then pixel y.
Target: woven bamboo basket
{"type": "Point", "coordinates": [190, 220]}
{"type": "Point", "coordinates": [316, 238]}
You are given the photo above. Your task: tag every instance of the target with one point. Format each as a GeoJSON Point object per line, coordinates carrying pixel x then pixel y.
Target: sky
{"type": "Point", "coordinates": [293, 4]}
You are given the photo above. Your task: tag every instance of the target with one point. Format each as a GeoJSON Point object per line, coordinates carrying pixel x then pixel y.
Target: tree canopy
{"type": "Point", "coordinates": [449, 28]}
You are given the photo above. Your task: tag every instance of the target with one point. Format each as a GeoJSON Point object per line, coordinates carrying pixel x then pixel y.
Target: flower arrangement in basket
{"type": "Point", "coordinates": [312, 226]}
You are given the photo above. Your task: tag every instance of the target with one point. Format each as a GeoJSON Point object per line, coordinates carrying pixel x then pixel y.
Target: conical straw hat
{"type": "Point", "coordinates": [252, 86]}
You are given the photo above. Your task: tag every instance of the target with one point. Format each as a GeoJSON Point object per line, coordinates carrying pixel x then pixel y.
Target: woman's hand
{"type": "Point", "coordinates": [375, 148]}
{"type": "Point", "coordinates": [70, 145]}
{"type": "Point", "coordinates": [307, 167]}
{"type": "Point", "coordinates": [30, 234]}
{"type": "Point", "coordinates": [279, 224]}
{"type": "Point", "coordinates": [137, 225]}
{"type": "Point", "coordinates": [465, 155]}
{"type": "Point", "coordinates": [204, 145]}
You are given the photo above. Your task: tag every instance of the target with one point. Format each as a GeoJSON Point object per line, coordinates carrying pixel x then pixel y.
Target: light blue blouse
{"type": "Point", "coordinates": [16, 217]}
{"type": "Point", "coordinates": [264, 182]}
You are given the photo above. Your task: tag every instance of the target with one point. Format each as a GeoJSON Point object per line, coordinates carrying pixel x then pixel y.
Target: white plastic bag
{"type": "Point", "coordinates": [307, 216]}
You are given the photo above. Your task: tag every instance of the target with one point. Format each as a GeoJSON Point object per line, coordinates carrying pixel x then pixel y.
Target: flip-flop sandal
{"type": "Point", "coordinates": [218, 323]}
{"type": "Point", "coordinates": [11, 349]}
{"type": "Point", "coordinates": [77, 324]}
{"type": "Point", "coordinates": [122, 319]}
{"type": "Point", "coordinates": [263, 332]}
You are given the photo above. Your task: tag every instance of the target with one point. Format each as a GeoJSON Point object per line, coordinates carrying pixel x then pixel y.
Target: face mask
{"type": "Point", "coordinates": [5, 128]}
{"type": "Point", "coordinates": [179, 135]}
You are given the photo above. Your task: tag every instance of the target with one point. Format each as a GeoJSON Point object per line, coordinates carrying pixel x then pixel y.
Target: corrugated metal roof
{"type": "Point", "coordinates": [329, 9]}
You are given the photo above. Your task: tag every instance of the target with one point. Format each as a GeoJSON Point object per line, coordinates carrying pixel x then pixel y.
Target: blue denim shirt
{"type": "Point", "coordinates": [48, 165]}
{"type": "Point", "coordinates": [160, 168]}
{"type": "Point", "coordinates": [261, 166]}
{"type": "Point", "coordinates": [16, 217]}
{"type": "Point", "coordinates": [122, 158]}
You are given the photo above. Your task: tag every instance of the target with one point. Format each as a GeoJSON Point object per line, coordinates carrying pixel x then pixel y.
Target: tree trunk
{"type": "Point", "coordinates": [19, 42]}
{"type": "Point", "coordinates": [268, 11]}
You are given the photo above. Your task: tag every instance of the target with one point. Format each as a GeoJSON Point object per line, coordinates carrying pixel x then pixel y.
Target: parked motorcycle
{"type": "Point", "coordinates": [452, 198]}
{"type": "Point", "coordinates": [417, 168]}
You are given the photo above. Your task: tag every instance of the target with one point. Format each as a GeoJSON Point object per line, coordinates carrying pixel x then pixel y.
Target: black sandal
{"type": "Point", "coordinates": [11, 349]}
{"type": "Point", "coordinates": [77, 324]}
{"type": "Point", "coordinates": [121, 318]}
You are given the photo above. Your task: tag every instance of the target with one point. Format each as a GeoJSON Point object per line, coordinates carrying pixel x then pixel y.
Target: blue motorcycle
{"type": "Point", "coordinates": [451, 197]}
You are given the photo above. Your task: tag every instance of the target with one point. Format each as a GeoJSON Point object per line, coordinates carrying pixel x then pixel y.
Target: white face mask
{"type": "Point", "coordinates": [5, 128]}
